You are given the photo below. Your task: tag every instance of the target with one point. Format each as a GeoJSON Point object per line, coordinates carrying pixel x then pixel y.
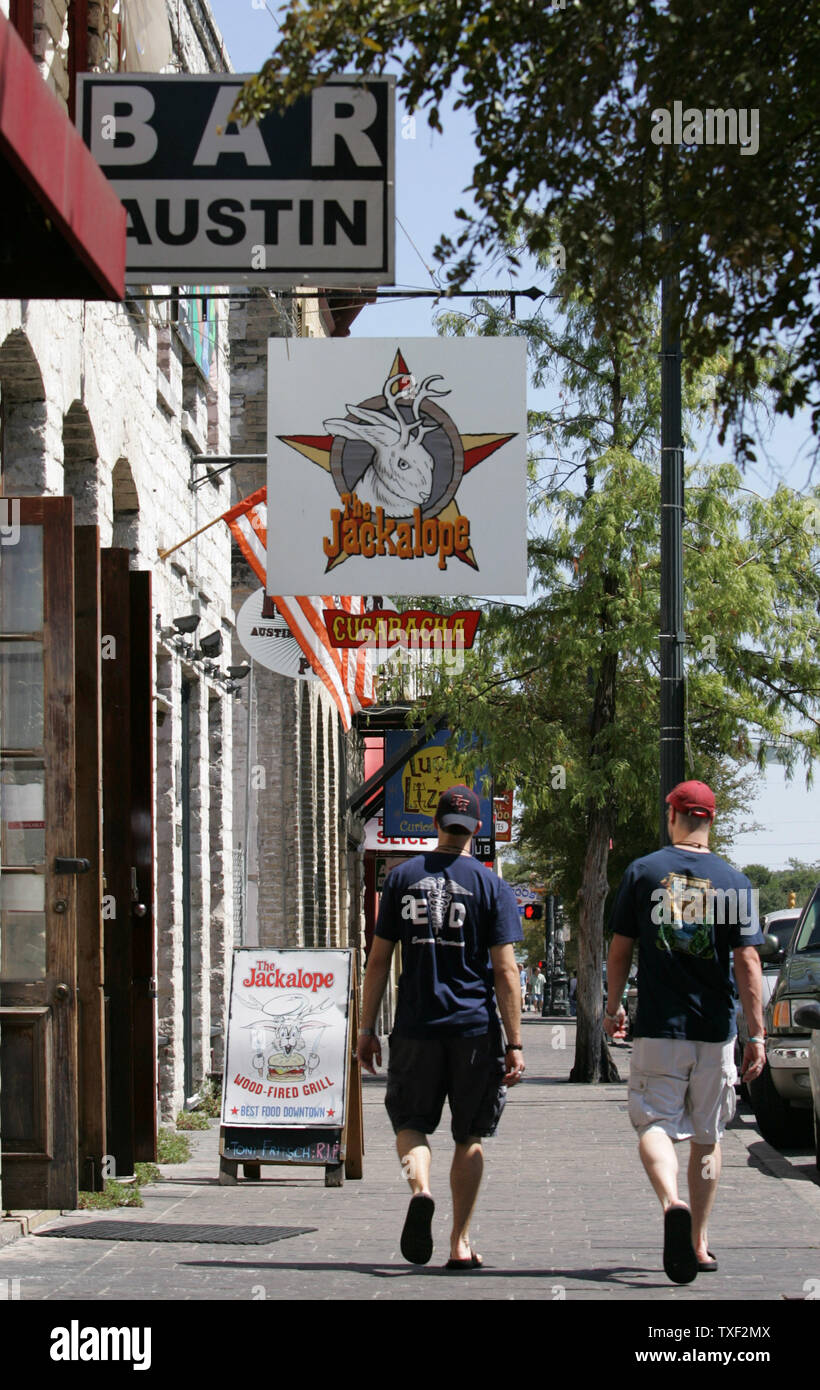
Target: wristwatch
{"type": "Point", "coordinates": [514, 1047]}
{"type": "Point", "coordinates": [368, 1033]}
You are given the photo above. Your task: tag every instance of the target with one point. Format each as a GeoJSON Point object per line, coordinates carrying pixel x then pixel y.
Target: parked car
{"type": "Point", "coordinates": [776, 927]}
{"type": "Point", "coordinates": [808, 1016]}
{"type": "Point", "coordinates": [781, 1095]}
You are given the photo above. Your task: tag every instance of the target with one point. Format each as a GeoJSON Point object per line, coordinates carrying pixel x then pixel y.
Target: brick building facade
{"type": "Point", "coordinates": [243, 835]}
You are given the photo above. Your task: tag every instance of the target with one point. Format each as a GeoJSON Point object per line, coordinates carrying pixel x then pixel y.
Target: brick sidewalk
{"type": "Point", "coordinates": [565, 1212]}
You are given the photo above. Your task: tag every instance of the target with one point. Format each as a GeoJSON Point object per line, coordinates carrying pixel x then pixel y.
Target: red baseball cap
{"type": "Point", "coordinates": [693, 799]}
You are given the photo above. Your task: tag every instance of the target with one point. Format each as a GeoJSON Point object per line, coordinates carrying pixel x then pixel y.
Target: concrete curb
{"type": "Point", "coordinates": [22, 1223]}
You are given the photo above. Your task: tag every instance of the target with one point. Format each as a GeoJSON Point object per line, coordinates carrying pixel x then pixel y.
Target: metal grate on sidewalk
{"type": "Point", "coordinates": [176, 1231]}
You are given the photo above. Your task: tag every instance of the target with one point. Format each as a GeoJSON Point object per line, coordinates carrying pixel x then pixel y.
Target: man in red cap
{"type": "Point", "coordinates": [457, 923]}
{"type": "Point", "coordinates": [688, 909]}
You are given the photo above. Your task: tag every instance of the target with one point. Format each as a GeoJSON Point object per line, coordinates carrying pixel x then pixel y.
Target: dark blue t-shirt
{"type": "Point", "coordinates": [688, 911]}
{"type": "Point", "coordinates": [447, 910]}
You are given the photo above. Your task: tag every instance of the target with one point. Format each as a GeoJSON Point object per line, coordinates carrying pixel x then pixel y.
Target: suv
{"type": "Point", "coordinates": [778, 929]}
{"type": "Point", "coordinates": [781, 1095]}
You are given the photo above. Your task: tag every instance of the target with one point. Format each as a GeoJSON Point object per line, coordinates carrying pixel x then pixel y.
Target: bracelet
{"type": "Point", "coordinates": [368, 1033]}
{"type": "Point", "coordinates": [514, 1047]}
{"type": "Point", "coordinates": [613, 1018]}
{"type": "Point", "coordinates": [762, 1041]}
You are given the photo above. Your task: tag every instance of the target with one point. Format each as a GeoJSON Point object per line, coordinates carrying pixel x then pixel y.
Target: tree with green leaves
{"type": "Point", "coordinates": [775, 885]}
{"type": "Point", "coordinates": [563, 693]}
{"type": "Point", "coordinates": [619, 118]}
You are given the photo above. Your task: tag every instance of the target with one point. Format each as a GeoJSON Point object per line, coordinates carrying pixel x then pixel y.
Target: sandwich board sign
{"type": "Point", "coordinates": [291, 1090]}
{"type": "Point", "coordinates": [302, 197]}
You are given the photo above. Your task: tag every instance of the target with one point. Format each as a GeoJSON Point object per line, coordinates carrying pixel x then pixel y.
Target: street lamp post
{"type": "Point", "coordinates": [672, 633]}
{"type": "Point", "coordinates": [549, 947]}
{"type": "Point", "coordinates": [560, 991]}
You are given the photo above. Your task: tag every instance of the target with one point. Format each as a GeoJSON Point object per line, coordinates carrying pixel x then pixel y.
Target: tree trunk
{"type": "Point", "coordinates": [593, 1060]}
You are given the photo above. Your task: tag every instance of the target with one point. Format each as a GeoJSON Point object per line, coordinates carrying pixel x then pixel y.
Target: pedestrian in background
{"type": "Point", "coordinates": [457, 923]}
{"type": "Point", "coordinates": [538, 983]}
{"type": "Point", "coordinates": [688, 909]}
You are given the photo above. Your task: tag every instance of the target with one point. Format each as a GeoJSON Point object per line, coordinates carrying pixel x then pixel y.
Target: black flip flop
{"type": "Point", "coordinates": [706, 1265]}
{"type": "Point", "coordinates": [680, 1262]}
{"type": "Point", "coordinates": [474, 1261]}
{"type": "Point", "coordinates": [417, 1236]}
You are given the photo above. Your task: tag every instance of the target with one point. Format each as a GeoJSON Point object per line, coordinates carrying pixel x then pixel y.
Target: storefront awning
{"type": "Point", "coordinates": [62, 228]}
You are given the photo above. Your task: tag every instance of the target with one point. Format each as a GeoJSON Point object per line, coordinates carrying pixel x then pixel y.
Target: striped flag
{"type": "Point", "coordinates": [346, 673]}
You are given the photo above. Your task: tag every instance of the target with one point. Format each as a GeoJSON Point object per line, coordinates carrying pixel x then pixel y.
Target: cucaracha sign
{"type": "Point", "coordinates": [415, 628]}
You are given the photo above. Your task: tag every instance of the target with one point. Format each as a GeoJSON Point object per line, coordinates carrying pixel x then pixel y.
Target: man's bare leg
{"type": "Point", "coordinates": [704, 1173]}
{"type": "Point", "coordinates": [414, 1153]}
{"type": "Point", "coordinates": [661, 1164]}
{"type": "Point", "coordinates": [417, 1235]}
{"type": "Point", "coordinates": [660, 1161]}
{"type": "Point", "coordinates": [465, 1179]}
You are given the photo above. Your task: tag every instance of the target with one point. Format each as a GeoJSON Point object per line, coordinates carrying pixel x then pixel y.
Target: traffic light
{"type": "Point", "coordinates": [533, 911]}
{"type": "Point", "coordinates": [792, 898]}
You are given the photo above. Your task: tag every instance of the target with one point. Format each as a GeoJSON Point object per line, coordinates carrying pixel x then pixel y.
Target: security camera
{"type": "Point", "coordinates": [189, 622]}
{"type": "Point", "coordinates": [212, 644]}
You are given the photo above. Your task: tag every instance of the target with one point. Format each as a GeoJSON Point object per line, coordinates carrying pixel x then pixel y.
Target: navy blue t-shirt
{"type": "Point", "coordinates": [447, 910]}
{"type": "Point", "coordinates": [688, 911]}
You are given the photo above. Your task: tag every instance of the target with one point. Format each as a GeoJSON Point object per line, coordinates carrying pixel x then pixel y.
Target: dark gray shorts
{"type": "Point", "coordinates": [469, 1072]}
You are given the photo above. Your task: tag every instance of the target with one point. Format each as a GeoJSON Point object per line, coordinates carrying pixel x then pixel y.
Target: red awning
{"type": "Point", "coordinates": [62, 228]}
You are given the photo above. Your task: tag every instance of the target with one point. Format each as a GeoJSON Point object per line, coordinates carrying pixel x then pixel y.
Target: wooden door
{"type": "Point", "coordinates": [142, 862]}
{"type": "Point", "coordinates": [128, 857]}
{"type": "Point", "coordinates": [38, 856]}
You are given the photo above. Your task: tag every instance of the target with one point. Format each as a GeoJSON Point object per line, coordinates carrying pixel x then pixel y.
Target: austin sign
{"type": "Point", "coordinates": [302, 197]}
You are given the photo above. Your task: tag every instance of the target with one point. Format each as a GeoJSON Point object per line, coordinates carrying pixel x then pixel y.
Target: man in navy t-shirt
{"type": "Point", "coordinates": [688, 910]}
{"type": "Point", "coordinates": [457, 923]}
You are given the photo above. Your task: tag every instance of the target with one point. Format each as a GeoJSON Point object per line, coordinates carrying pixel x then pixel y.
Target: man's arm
{"type": "Point", "coordinates": [368, 1048]}
{"type": "Point", "coordinates": [508, 994]}
{"type": "Point", "coordinates": [617, 970]}
{"type": "Point", "coordinates": [749, 979]}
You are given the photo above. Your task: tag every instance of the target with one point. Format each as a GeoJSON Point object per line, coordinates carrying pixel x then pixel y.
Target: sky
{"type": "Point", "coordinates": [431, 173]}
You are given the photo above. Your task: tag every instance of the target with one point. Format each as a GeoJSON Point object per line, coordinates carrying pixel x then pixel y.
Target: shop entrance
{"type": "Point", "coordinates": [39, 862]}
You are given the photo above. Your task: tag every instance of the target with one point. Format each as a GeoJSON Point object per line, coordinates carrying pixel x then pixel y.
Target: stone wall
{"type": "Point", "coordinates": [103, 402]}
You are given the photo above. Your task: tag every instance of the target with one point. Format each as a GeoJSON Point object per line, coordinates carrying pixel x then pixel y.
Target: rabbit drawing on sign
{"type": "Point", "coordinates": [400, 476]}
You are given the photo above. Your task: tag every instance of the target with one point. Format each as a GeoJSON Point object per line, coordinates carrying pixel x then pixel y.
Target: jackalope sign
{"type": "Point", "coordinates": [292, 1091]}
{"type": "Point", "coordinates": [397, 468]}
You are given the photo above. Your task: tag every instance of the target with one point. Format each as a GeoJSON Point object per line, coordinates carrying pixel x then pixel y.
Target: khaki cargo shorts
{"type": "Point", "coordinates": [687, 1089]}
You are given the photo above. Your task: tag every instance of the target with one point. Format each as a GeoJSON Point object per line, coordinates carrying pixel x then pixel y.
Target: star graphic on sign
{"type": "Point", "coordinates": [377, 452]}
{"type": "Point", "coordinates": [234, 1111]}
{"type": "Point", "coordinates": [331, 1113]}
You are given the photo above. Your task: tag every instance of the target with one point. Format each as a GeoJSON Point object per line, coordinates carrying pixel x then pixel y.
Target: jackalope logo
{"type": "Point", "coordinates": [397, 460]}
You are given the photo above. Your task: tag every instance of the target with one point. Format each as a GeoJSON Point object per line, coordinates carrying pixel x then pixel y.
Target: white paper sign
{"type": "Point", "coordinates": [397, 466]}
{"type": "Point", "coordinates": [270, 641]}
{"type": "Point", "coordinates": [287, 1039]}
